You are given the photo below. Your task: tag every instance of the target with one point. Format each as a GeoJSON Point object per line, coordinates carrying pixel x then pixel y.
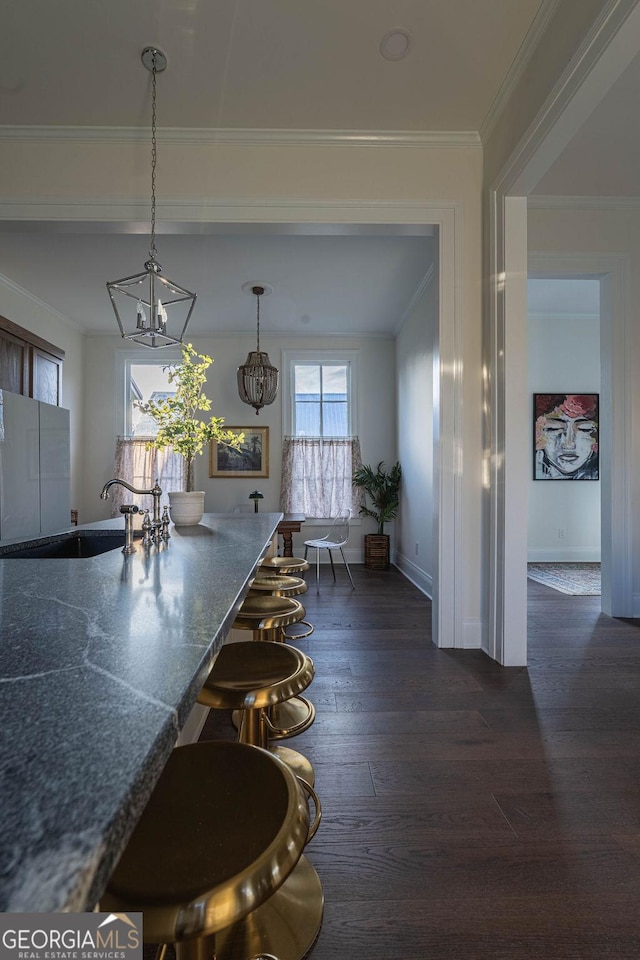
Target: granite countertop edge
{"type": "Point", "coordinates": [101, 662]}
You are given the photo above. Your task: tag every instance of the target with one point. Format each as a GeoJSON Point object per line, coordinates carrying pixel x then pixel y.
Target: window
{"type": "Point", "coordinates": [321, 391]}
{"type": "Point", "coordinates": [139, 378]}
{"type": "Point", "coordinates": [320, 450]}
{"type": "Point", "coordinates": [145, 380]}
{"type": "Point", "coordinates": [320, 399]}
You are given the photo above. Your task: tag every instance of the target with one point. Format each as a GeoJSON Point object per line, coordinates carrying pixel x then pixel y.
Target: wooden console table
{"type": "Point", "coordinates": [290, 524]}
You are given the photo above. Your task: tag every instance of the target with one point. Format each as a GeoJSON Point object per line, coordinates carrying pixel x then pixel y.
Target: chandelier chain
{"type": "Point", "coordinates": [154, 157]}
{"type": "Point", "coordinates": [151, 294]}
{"type": "Point", "coordinates": [258, 323]}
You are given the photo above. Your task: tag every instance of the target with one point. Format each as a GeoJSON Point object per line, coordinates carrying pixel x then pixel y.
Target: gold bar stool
{"type": "Point", "coordinates": [277, 584]}
{"type": "Point", "coordinates": [287, 565]}
{"type": "Point", "coordinates": [266, 617]}
{"type": "Point", "coordinates": [215, 862]}
{"type": "Point", "coordinates": [281, 585]}
{"type": "Point", "coordinates": [252, 678]}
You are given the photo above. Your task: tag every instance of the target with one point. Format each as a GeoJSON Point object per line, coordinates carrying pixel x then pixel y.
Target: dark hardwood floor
{"type": "Point", "coordinates": [472, 812]}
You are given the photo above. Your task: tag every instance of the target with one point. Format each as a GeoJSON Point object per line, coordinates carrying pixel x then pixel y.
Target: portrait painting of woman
{"type": "Point", "coordinates": [566, 436]}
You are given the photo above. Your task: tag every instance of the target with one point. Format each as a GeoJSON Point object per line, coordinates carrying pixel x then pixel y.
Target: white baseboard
{"type": "Point", "coordinates": [418, 577]}
{"type": "Point", "coordinates": [472, 635]}
{"type": "Point", "coordinates": [564, 555]}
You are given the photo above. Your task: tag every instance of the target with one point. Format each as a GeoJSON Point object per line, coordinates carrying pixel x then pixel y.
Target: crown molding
{"type": "Point", "coordinates": [582, 203]}
{"type": "Point", "coordinates": [417, 217]}
{"type": "Point", "coordinates": [199, 136]}
{"type": "Point", "coordinates": [42, 304]}
{"type": "Point", "coordinates": [540, 23]}
{"type": "Point", "coordinates": [420, 290]}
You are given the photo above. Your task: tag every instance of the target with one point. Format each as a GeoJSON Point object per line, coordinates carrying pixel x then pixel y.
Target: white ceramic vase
{"type": "Point", "coordinates": [186, 509]}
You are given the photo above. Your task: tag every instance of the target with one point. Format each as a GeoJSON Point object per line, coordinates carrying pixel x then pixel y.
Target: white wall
{"type": "Point", "coordinates": [376, 406]}
{"type": "Point", "coordinates": [564, 356]}
{"type": "Point", "coordinates": [414, 546]}
{"type": "Point", "coordinates": [34, 315]}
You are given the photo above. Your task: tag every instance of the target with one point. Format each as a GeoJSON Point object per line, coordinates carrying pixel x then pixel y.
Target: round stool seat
{"type": "Point", "coordinates": [223, 830]}
{"type": "Point", "coordinates": [256, 675]}
{"type": "Point", "coordinates": [278, 585]}
{"type": "Point", "coordinates": [268, 613]}
{"type": "Point", "coordinates": [287, 565]}
{"type": "Point", "coordinates": [254, 678]}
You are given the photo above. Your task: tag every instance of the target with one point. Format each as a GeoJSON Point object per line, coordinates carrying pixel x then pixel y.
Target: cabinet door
{"type": "Point", "coordinates": [20, 468]}
{"type": "Point", "coordinates": [55, 506]}
{"type": "Point", "coordinates": [29, 365]}
{"type": "Point", "coordinates": [46, 377]}
{"type": "Point", "coordinates": [14, 363]}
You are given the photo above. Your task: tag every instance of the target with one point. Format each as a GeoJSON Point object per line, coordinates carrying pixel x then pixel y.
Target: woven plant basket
{"type": "Point", "coordinates": [376, 551]}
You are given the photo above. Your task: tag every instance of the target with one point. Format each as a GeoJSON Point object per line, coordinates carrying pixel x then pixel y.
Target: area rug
{"type": "Point", "coordinates": [578, 579]}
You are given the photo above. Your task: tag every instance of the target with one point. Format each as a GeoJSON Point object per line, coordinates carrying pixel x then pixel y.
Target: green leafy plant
{"type": "Point", "coordinates": [383, 490]}
{"type": "Point", "coordinates": [177, 415]}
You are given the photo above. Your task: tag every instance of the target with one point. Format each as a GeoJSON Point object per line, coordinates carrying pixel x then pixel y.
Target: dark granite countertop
{"type": "Point", "coordinates": [101, 661]}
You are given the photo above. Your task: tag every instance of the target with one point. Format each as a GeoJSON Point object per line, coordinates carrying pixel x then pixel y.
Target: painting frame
{"type": "Point", "coordinates": [566, 436]}
{"type": "Point", "coordinates": [251, 461]}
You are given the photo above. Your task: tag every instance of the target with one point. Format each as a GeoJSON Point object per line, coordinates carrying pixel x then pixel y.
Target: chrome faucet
{"type": "Point", "coordinates": [155, 492]}
{"type": "Point", "coordinates": [128, 509]}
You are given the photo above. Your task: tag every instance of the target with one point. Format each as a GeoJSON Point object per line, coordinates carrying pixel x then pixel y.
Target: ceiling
{"type": "Point", "coordinates": [283, 64]}
{"type": "Point", "coordinates": [603, 158]}
{"type": "Point", "coordinates": [338, 285]}
{"type": "Point", "coordinates": [249, 65]}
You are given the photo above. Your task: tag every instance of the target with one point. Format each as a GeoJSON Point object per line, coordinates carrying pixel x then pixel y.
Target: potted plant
{"type": "Point", "coordinates": [181, 427]}
{"type": "Point", "coordinates": [383, 490]}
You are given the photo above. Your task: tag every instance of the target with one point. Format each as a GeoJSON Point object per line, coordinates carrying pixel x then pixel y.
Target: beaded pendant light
{"type": "Point", "coordinates": [257, 377]}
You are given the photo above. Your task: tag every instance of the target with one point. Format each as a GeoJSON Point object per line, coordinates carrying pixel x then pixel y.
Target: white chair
{"type": "Point", "coordinates": [336, 539]}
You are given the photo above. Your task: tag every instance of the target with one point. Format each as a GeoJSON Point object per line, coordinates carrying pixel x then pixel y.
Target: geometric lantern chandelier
{"type": "Point", "coordinates": [257, 377]}
{"type": "Point", "coordinates": [148, 297]}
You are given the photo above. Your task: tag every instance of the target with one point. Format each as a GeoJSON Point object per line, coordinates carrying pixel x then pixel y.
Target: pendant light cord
{"type": "Point", "coordinates": [258, 323]}
{"type": "Point", "coordinates": [154, 159]}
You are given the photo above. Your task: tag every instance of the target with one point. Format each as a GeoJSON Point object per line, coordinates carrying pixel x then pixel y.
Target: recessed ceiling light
{"type": "Point", "coordinates": [395, 44]}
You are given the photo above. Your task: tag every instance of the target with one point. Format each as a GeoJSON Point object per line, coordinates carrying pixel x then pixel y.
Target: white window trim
{"type": "Point", "coordinates": [125, 359]}
{"type": "Point", "coordinates": [290, 357]}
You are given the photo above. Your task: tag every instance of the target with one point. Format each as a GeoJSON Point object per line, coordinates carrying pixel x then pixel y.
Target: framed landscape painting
{"type": "Point", "coordinates": [250, 460]}
{"type": "Point", "coordinates": [565, 436]}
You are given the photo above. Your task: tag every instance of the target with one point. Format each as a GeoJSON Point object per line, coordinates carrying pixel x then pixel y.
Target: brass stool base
{"type": "Point", "coordinates": [302, 767]}
{"type": "Point", "coordinates": [285, 716]}
{"type": "Point", "coordinates": [286, 926]}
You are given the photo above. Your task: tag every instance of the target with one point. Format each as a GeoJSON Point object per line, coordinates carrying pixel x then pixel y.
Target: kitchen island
{"type": "Point", "coordinates": [101, 661]}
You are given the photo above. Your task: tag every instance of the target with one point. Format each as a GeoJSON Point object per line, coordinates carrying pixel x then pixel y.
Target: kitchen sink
{"type": "Point", "coordinates": [77, 545]}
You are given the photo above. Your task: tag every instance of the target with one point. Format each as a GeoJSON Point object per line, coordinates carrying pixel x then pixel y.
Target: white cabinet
{"type": "Point", "coordinates": [34, 467]}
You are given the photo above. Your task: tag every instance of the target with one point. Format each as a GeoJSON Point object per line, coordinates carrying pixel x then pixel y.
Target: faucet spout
{"type": "Point", "coordinates": [155, 492]}
{"type": "Point", "coordinates": [123, 483]}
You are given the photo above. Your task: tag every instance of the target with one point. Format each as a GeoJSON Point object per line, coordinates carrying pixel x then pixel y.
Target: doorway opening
{"type": "Point", "coordinates": [564, 387]}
